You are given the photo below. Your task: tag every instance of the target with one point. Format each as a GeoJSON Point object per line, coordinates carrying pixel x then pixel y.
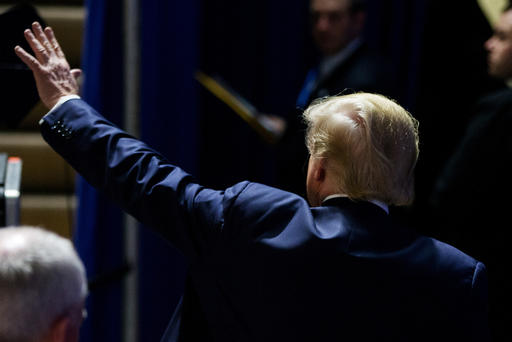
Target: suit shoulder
{"type": "Point", "coordinates": [253, 194]}
{"type": "Point", "coordinates": [500, 99]}
{"type": "Point", "coordinates": [453, 262]}
{"type": "Point", "coordinates": [256, 203]}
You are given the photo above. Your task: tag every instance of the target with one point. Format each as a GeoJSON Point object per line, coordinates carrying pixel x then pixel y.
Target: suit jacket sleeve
{"type": "Point", "coordinates": [478, 311]}
{"type": "Point", "coordinates": [138, 178]}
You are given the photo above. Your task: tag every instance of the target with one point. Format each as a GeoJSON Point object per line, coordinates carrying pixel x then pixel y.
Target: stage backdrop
{"type": "Point", "coordinates": [262, 48]}
{"type": "Point", "coordinates": [99, 232]}
{"type": "Point", "coordinates": [168, 122]}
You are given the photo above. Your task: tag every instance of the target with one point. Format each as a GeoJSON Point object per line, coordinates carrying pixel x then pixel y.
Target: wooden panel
{"type": "Point", "coordinates": [43, 169]}
{"type": "Point", "coordinates": [68, 24]}
{"type": "Point", "coordinates": [53, 212]}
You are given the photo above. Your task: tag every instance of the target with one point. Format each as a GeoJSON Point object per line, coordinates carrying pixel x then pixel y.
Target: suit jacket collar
{"type": "Point", "coordinates": [329, 64]}
{"type": "Point", "coordinates": [343, 64]}
{"type": "Point", "coordinates": [332, 199]}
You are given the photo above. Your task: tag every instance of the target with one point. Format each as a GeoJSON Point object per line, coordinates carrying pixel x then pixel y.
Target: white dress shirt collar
{"type": "Point", "coordinates": [378, 203]}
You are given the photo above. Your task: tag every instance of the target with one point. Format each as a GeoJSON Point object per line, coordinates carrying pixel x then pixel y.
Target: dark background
{"type": "Point", "coordinates": [263, 49]}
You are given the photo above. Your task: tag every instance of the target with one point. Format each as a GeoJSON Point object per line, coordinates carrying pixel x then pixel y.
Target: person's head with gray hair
{"type": "Point", "coordinates": [42, 286]}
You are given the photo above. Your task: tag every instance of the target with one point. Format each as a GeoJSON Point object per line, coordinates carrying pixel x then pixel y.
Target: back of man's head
{"type": "Point", "coordinates": [371, 144]}
{"type": "Point", "coordinates": [42, 281]}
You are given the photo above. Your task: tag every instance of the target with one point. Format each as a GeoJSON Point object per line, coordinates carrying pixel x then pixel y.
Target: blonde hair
{"type": "Point", "coordinates": [371, 144]}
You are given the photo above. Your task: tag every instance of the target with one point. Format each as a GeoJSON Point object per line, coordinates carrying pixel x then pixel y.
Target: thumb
{"type": "Point", "coordinates": [76, 73]}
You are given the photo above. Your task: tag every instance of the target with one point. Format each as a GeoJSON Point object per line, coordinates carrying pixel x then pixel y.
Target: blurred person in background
{"type": "Point", "coordinates": [345, 65]}
{"type": "Point", "coordinates": [471, 198]}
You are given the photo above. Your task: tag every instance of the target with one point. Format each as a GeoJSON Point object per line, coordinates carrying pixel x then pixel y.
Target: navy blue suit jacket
{"type": "Point", "coordinates": [264, 266]}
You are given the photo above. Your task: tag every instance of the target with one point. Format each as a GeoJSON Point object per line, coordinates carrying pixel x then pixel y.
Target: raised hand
{"type": "Point", "coordinates": [53, 76]}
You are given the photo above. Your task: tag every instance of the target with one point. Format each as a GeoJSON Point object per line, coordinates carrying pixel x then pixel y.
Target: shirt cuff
{"type": "Point", "coordinates": [59, 103]}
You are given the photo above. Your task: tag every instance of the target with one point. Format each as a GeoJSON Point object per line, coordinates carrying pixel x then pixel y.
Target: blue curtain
{"type": "Point", "coordinates": [98, 233]}
{"type": "Point", "coordinates": [169, 123]}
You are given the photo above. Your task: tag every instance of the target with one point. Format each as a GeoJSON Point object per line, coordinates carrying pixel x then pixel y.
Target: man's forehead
{"type": "Point", "coordinates": [505, 23]}
{"type": "Point", "coordinates": [330, 5]}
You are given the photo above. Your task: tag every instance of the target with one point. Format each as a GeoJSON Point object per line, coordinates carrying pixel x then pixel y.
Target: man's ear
{"type": "Point", "coordinates": [59, 330]}
{"type": "Point", "coordinates": [319, 169]}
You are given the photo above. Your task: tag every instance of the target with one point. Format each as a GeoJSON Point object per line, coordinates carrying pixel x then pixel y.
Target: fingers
{"type": "Point", "coordinates": [28, 59]}
{"type": "Point", "coordinates": [56, 46]}
{"type": "Point", "coordinates": [43, 42]}
{"type": "Point", "coordinates": [41, 36]}
{"type": "Point", "coordinates": [39, 50]}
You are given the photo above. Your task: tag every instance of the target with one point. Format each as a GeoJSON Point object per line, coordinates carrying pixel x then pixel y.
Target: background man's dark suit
{"type": "Point", "coordinates": [264, 266]}
{"type": "Point", "coordinates": [472, 198]}
{"type": "Point", "coordinates": [362, 70]}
